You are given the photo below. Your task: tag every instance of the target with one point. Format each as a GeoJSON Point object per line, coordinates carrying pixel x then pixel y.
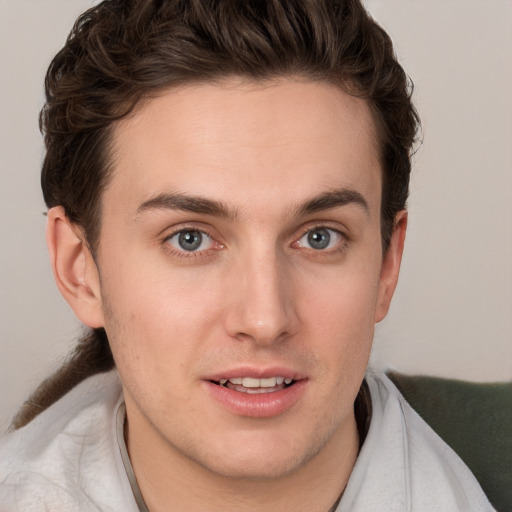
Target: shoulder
{"type": "Point", "coordinates": [405, 465]}
{"type": "Point", "coordinates": [66, 456]}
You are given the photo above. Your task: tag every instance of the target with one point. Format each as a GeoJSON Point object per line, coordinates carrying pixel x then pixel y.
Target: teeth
{"type": "Point", "coordinates": [250, 382]}
{"type": "Point", "coordinates": [268, 383]}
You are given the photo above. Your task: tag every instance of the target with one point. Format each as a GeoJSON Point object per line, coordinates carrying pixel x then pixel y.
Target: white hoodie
{"type": "Point", "coordinates": [69, 459]}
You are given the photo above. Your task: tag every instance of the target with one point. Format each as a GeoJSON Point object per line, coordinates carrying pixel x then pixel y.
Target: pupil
{"type": "Point", "coordinates": [319, 239]}
{"type": "Point", "coordinates": [190, 240]}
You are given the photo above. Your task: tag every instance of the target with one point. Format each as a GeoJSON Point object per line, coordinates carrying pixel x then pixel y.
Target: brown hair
{"type": "Point", "coordinates": [122, 51]}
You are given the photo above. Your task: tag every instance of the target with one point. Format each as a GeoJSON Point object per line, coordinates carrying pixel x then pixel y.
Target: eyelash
{"type": "Point", "coordinates": [182, 253]}
{"type": "Point", "coordinates": [341, 246]}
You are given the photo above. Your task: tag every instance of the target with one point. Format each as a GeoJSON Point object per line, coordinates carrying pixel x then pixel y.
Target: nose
{"type": "Point", "coordinates": [262, 308]}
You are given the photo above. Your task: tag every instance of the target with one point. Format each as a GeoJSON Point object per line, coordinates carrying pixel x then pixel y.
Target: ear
{"type": "Point", "coordinates": [391, 266]}
{"type": "Point", "coordinates": [74, 268]}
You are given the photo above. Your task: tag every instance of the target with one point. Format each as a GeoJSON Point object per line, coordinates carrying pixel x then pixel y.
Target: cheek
{"type": "Point", "coordinates": [340, 317]}
{"type": "Point", "coordinates": [153, 315]}
{"type": "Point", "coordinates": [345, 303]}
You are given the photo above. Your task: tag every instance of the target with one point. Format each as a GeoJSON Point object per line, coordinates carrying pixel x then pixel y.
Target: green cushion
{"type": "Point", "coordinates": [475, 419]}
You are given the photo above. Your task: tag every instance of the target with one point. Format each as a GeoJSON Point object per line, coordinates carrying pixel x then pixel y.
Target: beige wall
{"type": "Point", "coordinates": [452, 315]}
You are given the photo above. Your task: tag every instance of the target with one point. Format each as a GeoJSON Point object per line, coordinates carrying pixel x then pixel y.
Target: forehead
{"type": "Point", "coordinates": [237, 141]}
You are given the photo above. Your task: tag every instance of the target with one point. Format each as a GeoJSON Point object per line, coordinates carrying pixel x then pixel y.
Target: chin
{"type": "Point", "coordinates": [261, 459]}
{"type": "Point", "coordinates": [255, 468]}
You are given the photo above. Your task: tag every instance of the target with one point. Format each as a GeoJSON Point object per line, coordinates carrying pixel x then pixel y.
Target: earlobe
{"type": "Point", "coordinates": [391, 266]}
{"type": "Point", "coordinates": [74, 268]}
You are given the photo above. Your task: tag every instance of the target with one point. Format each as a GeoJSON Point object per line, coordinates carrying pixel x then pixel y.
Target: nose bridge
{"type": "Point", "coordinates": [263, 308]}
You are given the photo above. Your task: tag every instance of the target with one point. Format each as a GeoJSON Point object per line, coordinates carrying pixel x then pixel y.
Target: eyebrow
{"type": "Point", "coordinates": [333, 199]}
{"type": "Point", "coordinates": [201, 205]}
{"type": "Point", "coordinates": [194, 204]}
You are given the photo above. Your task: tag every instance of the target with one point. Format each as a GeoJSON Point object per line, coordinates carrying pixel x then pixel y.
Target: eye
{"type": "Point", "coordinates": [320, 239]}
{"type": "Point", "coordinates": [190, 240]}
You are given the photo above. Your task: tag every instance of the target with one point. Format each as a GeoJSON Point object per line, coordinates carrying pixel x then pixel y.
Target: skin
{"type": "Point", "coordinates": [256, 292]}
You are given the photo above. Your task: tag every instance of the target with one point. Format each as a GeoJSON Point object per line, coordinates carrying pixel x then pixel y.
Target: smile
{"type": "Point", "coordinates": [255, 386]}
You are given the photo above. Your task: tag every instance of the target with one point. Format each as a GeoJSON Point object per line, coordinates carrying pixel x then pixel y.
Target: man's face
{"type": "Point", "coordinates": [241, 240]}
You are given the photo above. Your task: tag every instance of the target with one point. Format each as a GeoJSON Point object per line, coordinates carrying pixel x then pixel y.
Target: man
{"type": "Point", "coordinates": [226, 185]}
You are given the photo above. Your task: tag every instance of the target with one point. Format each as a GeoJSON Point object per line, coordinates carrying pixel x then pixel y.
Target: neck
{"type": "Point", "coordinates": [169, 480]}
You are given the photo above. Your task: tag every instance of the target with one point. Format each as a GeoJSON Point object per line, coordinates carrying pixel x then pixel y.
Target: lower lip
{"type": "Point", "coordinates": [263, 405]}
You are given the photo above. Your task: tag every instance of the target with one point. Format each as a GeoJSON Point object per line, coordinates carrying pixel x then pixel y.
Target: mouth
{"type": "Point", "coordinates": [257, 393]}
{"type": "Point", "coordinates": [255, 386]}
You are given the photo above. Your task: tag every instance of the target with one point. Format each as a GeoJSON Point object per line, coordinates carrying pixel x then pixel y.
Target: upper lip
{"type": "Point", "coordinates": [256, 373]}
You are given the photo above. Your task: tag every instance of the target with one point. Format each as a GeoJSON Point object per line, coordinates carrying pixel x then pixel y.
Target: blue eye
{"type": "Point", "coordinates": [190, 240]}
{"type": "Point", "coordinates": [320, 239]}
